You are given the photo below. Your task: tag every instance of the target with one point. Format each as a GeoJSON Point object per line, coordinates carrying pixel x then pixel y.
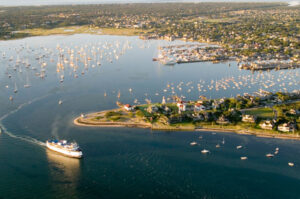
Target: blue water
{"type": "Point", "coordinates": [125, 162]}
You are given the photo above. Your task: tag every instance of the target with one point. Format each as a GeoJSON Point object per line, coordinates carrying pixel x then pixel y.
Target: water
{"type": "Point", "coordinates": [124, 162]}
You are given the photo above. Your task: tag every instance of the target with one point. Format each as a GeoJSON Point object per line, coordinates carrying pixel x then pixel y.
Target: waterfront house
{"type": "Point", "coordinates": [269, 125]}
{"type": "Point", "coordinates": [128, 107]}
{"type": "Point", "coordinates": [181, 106]}
{"type": "Point", "coordinates": [199, 107]}
{"type": "Point", "coordinates": [249, 118]}
{"type": "Point", "coordinates": [287, 127]}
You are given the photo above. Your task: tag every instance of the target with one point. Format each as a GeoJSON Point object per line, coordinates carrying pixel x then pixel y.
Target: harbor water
{"type": "Point", "coordinates": [127, 162]}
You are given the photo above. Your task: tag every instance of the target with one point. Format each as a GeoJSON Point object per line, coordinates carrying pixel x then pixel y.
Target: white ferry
{"type": "Point", "coordinates": [65, 148]}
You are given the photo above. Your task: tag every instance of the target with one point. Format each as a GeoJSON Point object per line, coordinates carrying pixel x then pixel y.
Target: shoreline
{"type": "Point", "coordinates": [77, 121]}
{"type": "Point", "coordinates": [109, 124]}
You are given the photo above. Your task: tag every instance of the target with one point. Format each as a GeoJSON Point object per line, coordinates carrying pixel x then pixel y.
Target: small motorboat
{"type": "Point", "coordinates": [239, 147]}
{"type": "Point", "coordinates": [291, 164]}
{"type": "Point", "coordinates": [270, 155]}
{"type": "Point", "coordinates": [244, 158]}
{"type": "Point", "coordinates": [205, 151]}
{"type": "Point", "coordinates": [193, 143]}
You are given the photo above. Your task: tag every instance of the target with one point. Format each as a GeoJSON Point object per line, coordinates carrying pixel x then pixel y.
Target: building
{"type": "Point", "coordinates": [269, 125]}
{"type": "Point", "coordinates": [287, 127]}
{"type": "Point", "coordinates": [294, 112]}
{"type": "Point", "coordinates": [249, 118]}
{"type": "Point", "coordinates": [128, 107]}
{"type": "Point", "coordinates": [163, 101]}
{"type": "Point", "coordinates": [199, 107]}
{"type": "Point", "coordinates": [181, 106]}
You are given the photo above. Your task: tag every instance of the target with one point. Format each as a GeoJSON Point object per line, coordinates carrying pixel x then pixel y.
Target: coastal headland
{"type": "Point", "coordinates": [276, 121]}
{"type": "Point", "coordinates": [90, 121]}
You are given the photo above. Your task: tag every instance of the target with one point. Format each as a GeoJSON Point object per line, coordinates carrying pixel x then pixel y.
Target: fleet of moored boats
{"type": "Point", "coordinates": [269, 155]}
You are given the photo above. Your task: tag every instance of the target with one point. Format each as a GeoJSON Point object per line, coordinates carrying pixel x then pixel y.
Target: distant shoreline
{"type": "Point", "coordinates": [88, 123]}
{"type": "Point", "coordinates": [59, 3]}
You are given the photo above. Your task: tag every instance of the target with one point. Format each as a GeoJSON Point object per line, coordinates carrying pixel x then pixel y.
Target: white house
{"type": "Point", "coordinates": [249, 118]}
{"type": "Point", "coordinates": [286, 127]}
{"type": "Point", "coordinates": [128, 107]}
{"type": "Point", "coordinates": [267, 125]}
{"type": "Point", "coordinates": [181, 106]}
{"type": "Point", "coordinates": [199, 107]}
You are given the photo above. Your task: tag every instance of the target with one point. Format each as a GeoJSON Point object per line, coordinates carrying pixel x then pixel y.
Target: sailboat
{"type": "Point", "coordinates": [223, 141]}
{"type": "Point", "coordinates": [16, 89]}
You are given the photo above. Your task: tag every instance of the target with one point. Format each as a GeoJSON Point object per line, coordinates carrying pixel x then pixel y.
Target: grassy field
{"type": "Point", "coordinates": [261, 112]}
{"type": "Point", "coordinates": [81, 30]}
{"type": "Point", "coordinates": [221, 20]}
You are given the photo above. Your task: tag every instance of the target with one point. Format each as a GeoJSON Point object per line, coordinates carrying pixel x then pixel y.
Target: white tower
{"type": "Point", "coordinates": [163, 102]}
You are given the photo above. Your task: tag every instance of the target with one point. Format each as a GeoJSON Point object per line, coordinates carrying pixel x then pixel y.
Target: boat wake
{"type": "Point", "coordinates": [23, 138]}
{"type": "Point", "coordinates": [12, 135]}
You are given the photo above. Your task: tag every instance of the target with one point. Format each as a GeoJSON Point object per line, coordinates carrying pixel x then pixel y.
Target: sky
{"type": "Point", "coordinates": [59, 2]}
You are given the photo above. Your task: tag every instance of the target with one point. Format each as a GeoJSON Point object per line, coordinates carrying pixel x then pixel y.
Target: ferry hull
{"type": "Point", "coordinates": [72, 154]}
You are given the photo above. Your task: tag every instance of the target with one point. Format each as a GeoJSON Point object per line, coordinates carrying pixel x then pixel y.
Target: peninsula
{"type": "Point", "coordinates": [267, 115]}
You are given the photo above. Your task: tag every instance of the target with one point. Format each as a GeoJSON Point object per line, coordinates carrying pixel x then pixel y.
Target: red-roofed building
{"type": "Point", "coordinates": [199, 107]}
{"type": "Point", "coordinates": [128, 107]}
{"type": "Point", "coordinates": [181, 106]}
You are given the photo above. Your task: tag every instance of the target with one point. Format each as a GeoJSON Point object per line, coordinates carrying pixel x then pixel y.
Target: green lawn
{"type": "Point", "coordinates": [261, 112]}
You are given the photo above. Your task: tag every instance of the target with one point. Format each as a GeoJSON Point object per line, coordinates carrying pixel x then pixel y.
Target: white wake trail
{"type": "Point", "coordinates": [12, 135]}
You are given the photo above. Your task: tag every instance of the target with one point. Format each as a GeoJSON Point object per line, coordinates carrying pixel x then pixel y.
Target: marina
{"type": "Point", "coordinates": [170, 55]}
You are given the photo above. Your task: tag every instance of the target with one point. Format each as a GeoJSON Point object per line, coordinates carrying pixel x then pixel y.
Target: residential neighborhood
{"type": "Point", "coordinates": [273, 112]}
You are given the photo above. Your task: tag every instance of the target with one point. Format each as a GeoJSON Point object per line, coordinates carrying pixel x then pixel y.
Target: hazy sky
{"type": "Point", "coordinates": [53, 2]}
